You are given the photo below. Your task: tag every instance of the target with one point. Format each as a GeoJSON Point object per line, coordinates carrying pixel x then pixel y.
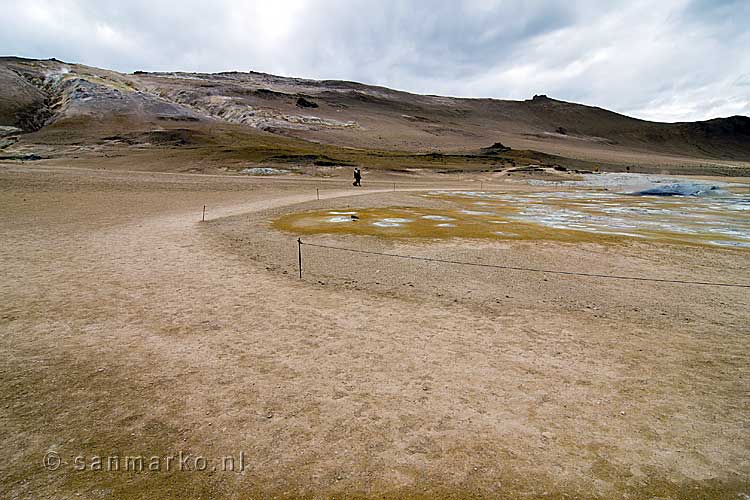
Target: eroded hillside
{"type": "Point", "coordinates": [49, 101]}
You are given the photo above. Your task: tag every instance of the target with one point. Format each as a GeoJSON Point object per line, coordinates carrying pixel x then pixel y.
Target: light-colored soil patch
{"type": "Point", "coordinates": [128, 327]}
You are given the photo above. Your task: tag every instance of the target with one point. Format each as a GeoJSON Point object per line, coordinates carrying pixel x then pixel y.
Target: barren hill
{"type": "Point", "coordinates": [51, 102]}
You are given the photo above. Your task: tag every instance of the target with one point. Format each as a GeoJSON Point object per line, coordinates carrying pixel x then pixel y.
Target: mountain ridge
{"type": "Point", "coordinates": [39, 95]}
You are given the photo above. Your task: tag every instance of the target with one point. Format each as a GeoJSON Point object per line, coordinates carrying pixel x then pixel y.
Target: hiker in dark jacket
{"type": "Point", "coordinates": [357, 177]}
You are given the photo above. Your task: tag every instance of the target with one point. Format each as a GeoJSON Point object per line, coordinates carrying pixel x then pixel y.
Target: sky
{"type": "Point", "coordinates": [663, 60]}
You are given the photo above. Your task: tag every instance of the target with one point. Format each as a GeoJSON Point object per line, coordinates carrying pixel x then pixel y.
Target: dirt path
{"type": "Point", "coordinates": [124, 332]}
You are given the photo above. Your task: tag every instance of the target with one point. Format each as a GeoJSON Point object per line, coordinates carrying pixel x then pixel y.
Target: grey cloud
{"type": "Point", "coordinates": [669, 60]}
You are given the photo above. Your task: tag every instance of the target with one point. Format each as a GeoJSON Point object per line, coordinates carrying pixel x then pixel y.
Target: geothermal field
{"type": "Point", "coordinates": [198, 303]}
{"type": "Point", "coordinates": [708, 215]}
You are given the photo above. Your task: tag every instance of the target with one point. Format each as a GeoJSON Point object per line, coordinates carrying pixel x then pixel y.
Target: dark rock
{"type": "Point", "coordinates": [33, 117]}
{"type": "Point", "coordinates": [22, 157]}
{"type": "Point", "coordinates": [496, 148]}
{"type": "Point", "coordinates": [178, 118]}
{"type": "Point", "coordinates": [8, 141]}
{"type": "Point", "coordinates": [304, 103]}
{"type": "Point", "coordinates": [268, 94]}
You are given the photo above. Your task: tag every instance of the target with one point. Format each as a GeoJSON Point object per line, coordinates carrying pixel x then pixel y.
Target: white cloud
{"type": "Point", "coordinates": [668, 60]}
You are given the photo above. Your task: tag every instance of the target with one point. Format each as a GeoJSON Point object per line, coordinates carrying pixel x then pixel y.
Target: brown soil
{"type": "Point", "coordinates": [128, 327]}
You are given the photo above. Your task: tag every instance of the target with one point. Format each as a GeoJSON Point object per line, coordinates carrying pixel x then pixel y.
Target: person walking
{"type": "Point", "coordinates": [357, 177]}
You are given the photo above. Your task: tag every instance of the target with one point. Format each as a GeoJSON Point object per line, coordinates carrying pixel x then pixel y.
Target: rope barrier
{"type": "Point", "coordinates": [515, 268]}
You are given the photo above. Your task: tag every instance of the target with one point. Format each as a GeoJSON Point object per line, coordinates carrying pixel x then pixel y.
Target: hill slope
{"type": "Point", "coordinates": [52, 99]}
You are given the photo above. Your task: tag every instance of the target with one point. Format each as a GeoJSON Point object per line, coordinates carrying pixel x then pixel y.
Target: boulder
{"type": "Point", "coordinates": [304, 103]}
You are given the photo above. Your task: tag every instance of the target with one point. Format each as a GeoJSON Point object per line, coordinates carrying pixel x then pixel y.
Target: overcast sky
{"type": "Point", "coordinates": [667, 60]}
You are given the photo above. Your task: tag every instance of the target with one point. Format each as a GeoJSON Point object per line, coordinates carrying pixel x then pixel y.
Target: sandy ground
{"type": "Point", "coordinates": [129, 328]}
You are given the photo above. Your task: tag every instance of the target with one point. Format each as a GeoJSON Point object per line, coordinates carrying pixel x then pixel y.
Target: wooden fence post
{"type": "Point", "coordinates": [299, 256]}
